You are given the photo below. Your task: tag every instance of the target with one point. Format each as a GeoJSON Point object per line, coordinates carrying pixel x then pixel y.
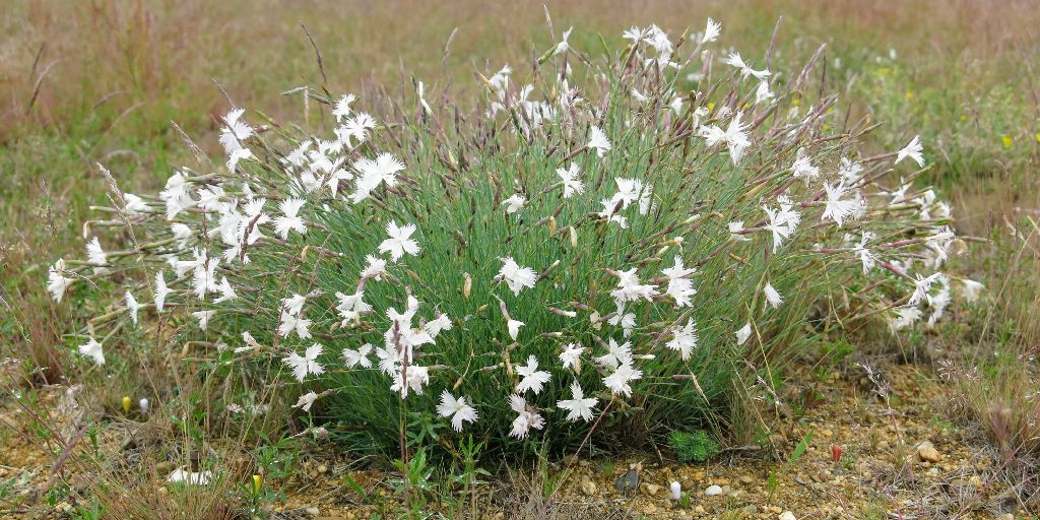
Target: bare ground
{"type": "Point", "coordinates": [878, 424]}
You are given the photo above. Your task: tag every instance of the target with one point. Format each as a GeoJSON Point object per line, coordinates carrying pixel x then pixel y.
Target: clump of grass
{"type": "Point", "coordinates": [995, 376]}
{"type": "Point", "coordinates": [600, 256]}
{"type": "Point", "coordinates": [697, 446]}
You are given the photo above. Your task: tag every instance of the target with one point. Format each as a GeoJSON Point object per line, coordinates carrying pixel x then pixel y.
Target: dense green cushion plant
{"type": "Point", "coordinates": [626, 247]}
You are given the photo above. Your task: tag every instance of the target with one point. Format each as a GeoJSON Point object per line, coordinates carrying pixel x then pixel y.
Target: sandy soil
{"type": "Point", "coordinates": [885, 469]}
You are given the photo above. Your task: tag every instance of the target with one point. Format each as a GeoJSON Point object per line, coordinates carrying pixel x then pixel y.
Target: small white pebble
{"type": "Point", "coordinates": [787, 515]}
{"type": "Point", "coordinates": [676, 490]}
{"type": "Point", "coordinates": [714, 490]}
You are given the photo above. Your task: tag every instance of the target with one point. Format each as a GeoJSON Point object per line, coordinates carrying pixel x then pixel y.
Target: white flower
{"type": "Point", "coordinates": [865, 256]}
{"type": "Point", "coordinates": [762, 93]}
{"type": "Point", "coordinates": [532, 378]}
{"type": "Point", "coordinates": [680, 287]}
{"type": "Point", "coordinates": [176, 195]}
{"type": "Point", "coordinates": [563, 46]}
{"type": "Point", "coordinates": [572, 185]}
{"type": "Point", "coordinates": [457, 409]}
{"type": "Point", "coordinates": [96, 255]}
{"type": "Point", "coordinates": [437, 325]}
{"type": "Point", "coordinates": [905, 317]}
{"type": "Point", "coordinates": [658, 39]}
{"type": "Point", "coordinates": [773, 298]}
{"type": "Point", "coordinates": [144, 405]}
{"type": "Point", "coordinates": [291, 319]}
{"type": "Point", "coordinates": [676, 105]}
{"type": "Point", "coordinates": [306, 401]}
{"type": "Point", "coordinates": [839, 210]}
{"type": "Point", "coordinates": [204, 274]}
{"type": "Point", "coordinates": [401, 338]}
{"type": "Point", "coordinates": [250, 341]}
{"type": "Point", "coordinates": [514, 203]}
{"type": "Point", "coordinates": [782, 222]}
{"type": "Point", "coordinates": [514, 328]}
{"type": "Point", "coordinates": [248, 228]}
{"type": "Point", "coordinates": [849, 171]}
{"type": "Point", "coordinates": [618, 382]}
{"type": "Point", "coordinates": [203, 317]}
{"type": "Point", "coordinates": [227, 292]}
{"type": "Point", "coordinates": [57, 282]}
{"type": "Point", "coordinates": [516, 277]}
{"type": "Point", "coordinates": [627, 321]}
{"type": "Point", "coordinates": [351, 307]}
{"type": "Point", "coordinates": [616, 355]}
{"type": "Point", "coordinates": [183, 476]}
{"type": "Point", "coordinates": [93, 350]}
{"type": "Point", "coordinates": [631, 190]}
{"type": "Point", "coordinates": [400, 241]}
{"type": "Point", "coordinates": [684, 339]}
{"type": "Point", "coordinates": [235, 131]}
{"type": "Point", "coordinates": [135, 205]}
{"type": "Point", "coordinates": [899, 195]}
{"type": "Point", "coordinates": [500, 80]}
{"type": "Point", "coordinates": [235, 157]}
{"type": "Point", "coordinates": [922, 285]}
{"type": "Point", "coordinates": [912, 150]}
{"type": "Point", "coordinates": [711, 31]}
{"type": "Point", "coordinates": [636, 34]}
{"type": "Point", "coordinates": [306, 364]}
{"type": "Point", "coordinates": [359, 357]}
{"type": "Point", "coordinates": [971, 289]}
{"type": "Point", "coordinates": [571, 356]}
{"type": "Point", "coordinates": [598, 141]}
{"type": "Point", "coordinates": [294, 323]}
{"type": "Point", "coordinates": [735, 137]}
{"type": "Point", "coordinates": [161, 291]}
{"type": "Point", "coordinates": [744, 333]}
{"type": "Point", "coordinates": [355, 129]}
{"type": "Point", "coordinates": [375, 268]}
{"type": "Point", "coordinates": [417, 377]}
{"type": "Point", "coordinates": [578, 406]}
{"type": "Point", "coordinates": [526, 418]}
{"type": "Point", "coordinates": [342, 109]}
{"type": "Point", "coordinates": [735, 60]}
{"type": "Point", "coordinates": [132, 306]}
{"type": "Point", "coordinates": [210, 198]}
{"type": "Point", "coordinates": [339, 174]}
{"type": "Point", "coordinates": [803, 167]}
{"type": "Point", "coordinates": [736, 229]}
{"type": "Point", "coordinates": [938, 302]}
{"type": "Point", "coordinates": [372, 173]}
{"type": "Point", "coordinates": [289, 221]}
{"type": "Point", "coordinates": [630, 289]}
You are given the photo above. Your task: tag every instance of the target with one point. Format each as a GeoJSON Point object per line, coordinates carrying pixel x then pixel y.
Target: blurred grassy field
{"type": "Point", "coordinates": [98, 81]}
